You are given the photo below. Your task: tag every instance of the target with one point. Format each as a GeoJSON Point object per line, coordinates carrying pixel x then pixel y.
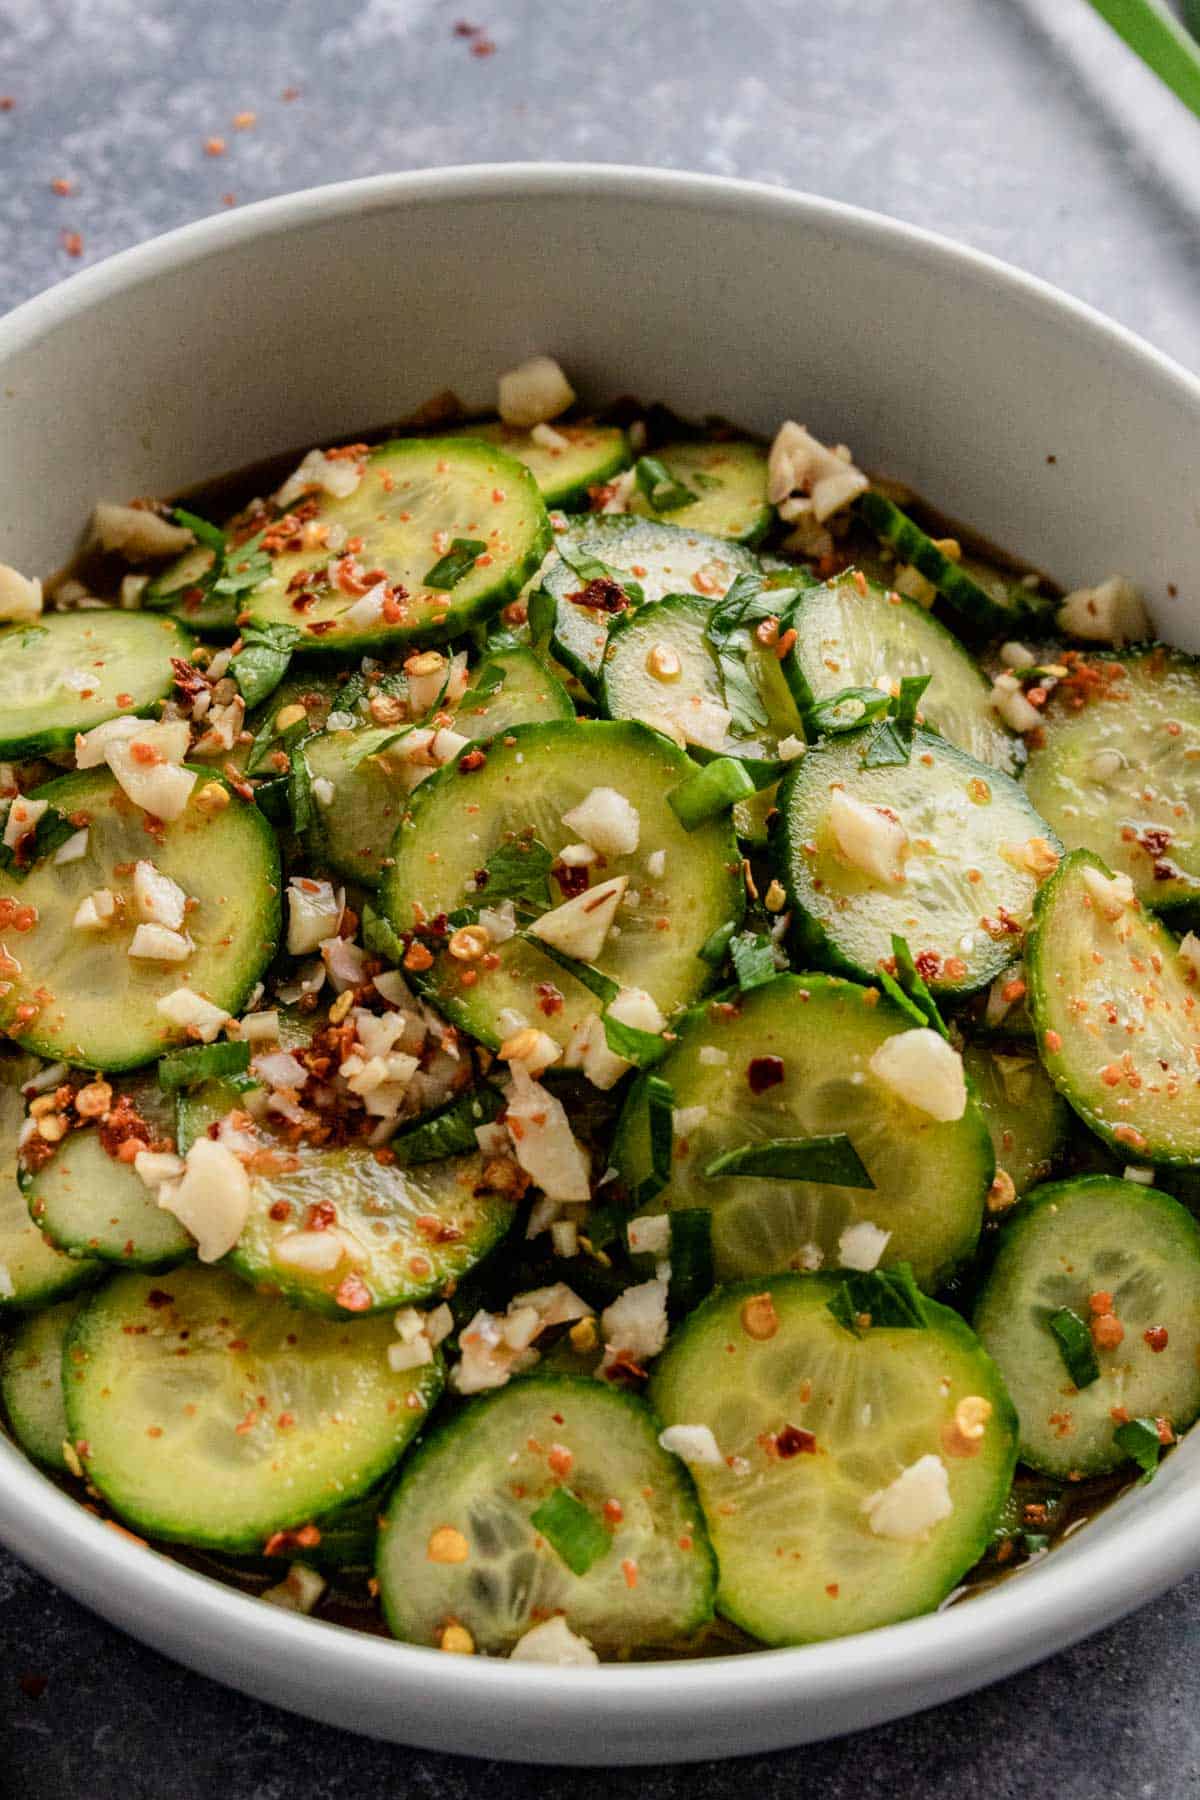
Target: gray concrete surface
{"type": "Point", "coordinates": [1017, 125]}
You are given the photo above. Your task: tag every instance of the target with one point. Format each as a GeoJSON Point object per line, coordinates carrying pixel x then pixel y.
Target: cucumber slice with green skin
{"type": "Point", "coordinates": [847, 638]}
{"type": "Point", "coordinates": [963, 902]}
{"type": "Point", "coordinates": [930, 1178]}
{"type": "Point", "coordinates": [31, 1383]}
{"type": "Point", "coordinates": [32, 1271]}
{"type": "Point", "coordinates": [1115, 770]}
{"type": "Point", "coordinates": [404, 1233]}
{"type": "Point", "coordinates": [184, 590]}
{"type": "Point", "coordinates": [510, 688]}
{"type": "Point", "coordinates": [1069, 1241]}
{"type": "Point", "coordinates": [729, 480]}
{"type": "Point", "coordinates": [416, 496]}
{"type": "Point", "coordinates": [353, 831]}
{"type": "Point", "coordinates": [96, 1006]}
{"type": "Point", "coordinates": [1118, 1027]}
{"type": "Point", "coordinates": [529, 780]}
{"type": "Point", "coordinates": [277, 1416]}
{"type": "Point", "coordinates": [70, 671]}
{"type": "Point", "coordinates": [592, 454]}
{"type": "Point", "coordinates": [798, 1557]}
{"type": "Point", "coordinates": [993, 608]}
{"type": "Point", "coordinates": [92, 1205]}
{"type": "Point", "coordinates": [1026, 1115]}
{"type": "Point", "coordinates": [661, 558]}
{"type": "Point", "coordinates": [670, 633]}
{"type": "Point", "coordinates": [491, 1466]}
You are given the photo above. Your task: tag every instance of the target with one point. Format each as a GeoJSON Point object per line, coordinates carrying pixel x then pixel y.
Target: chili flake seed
{"type": "Point", "coordinates": [759, 1319]}
{"type": "Point", "coordinates": [456, 1640]}
{"type": "Point", "coordinates": [214, 146]}
{"type": "Point", "coordinates": [447, 1545]}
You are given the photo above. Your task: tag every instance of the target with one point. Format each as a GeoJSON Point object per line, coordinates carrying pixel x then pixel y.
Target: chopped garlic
{"type": "Point", "coordinates": [299, 1590]}
{"type": "Point", "coordinates": [339, 476]}
{"type": "Point", "coordinates": [157, 943]}
{"type": "Point", "coordinates": [546, 438]}
{"type": "Point", "coordinates": [1110, 895]}
{"type": "Point", "coordinates": [555, 1643]}
{"type": "Point", "coordinates": [580, 926]}
{"type": "Point", "coordinates": [800, 464]}
{"type": "Point", "coordinates": [635, 1323]}
{"type": "Point", "coordinates": [314, 911]}
{"type": "Point", "coordinates": [924, 1070]}
{"type": "Point", "coordinates": [1009, 701]}
{"type": "Point", "coordinates": [145, 758]}
{"type": "Point", "coordinates": [192, 1013]}
{"type": "Point", "coordinates": [693, 1444]}
{"type": "Point", "coordinates": [20, 595]}
{"type": "Point", "coordinates": [211, 1200]}
{"type": "Point", "coordinates": [534, 392]}
{"type": "Point", "coordinates": [1189, 950]}
{"type": "Point", "coordinates": [1113, 612]}
{"type": "Point", "coordinates": [23, 816]}
{"type": "Point", "coordinates": [156, 1166]}
{"type": "Point", "coordinates": [136, 531]}
{"type": "Point", "coordinates": [75, 848]}
{"type": "Point", "coordinates": [909, 1507]}
{"type": "Point", "coordinates": [158, 899]}
{"type": "Point", "coordinates": [1017, 656]}
{"type": "Point", "coordinates": [95, 910]}
{"type": "Point", "coordinates": [650, 1235]}
{"type": "Point", "coordinates": [788, 749]}
{"type": "Point", "coordinates": [530, 1049]}
{"type": "Point", "coordinates": [713, 1057]}
{"type": "Point", "coordinates": [543, 1141]}
{"type": "Point", "coordinates": [605, 819]}
{"type": "Point", "coordinates": [868, 837]}
{"type": "Point", "coordinates": [861, 1245]}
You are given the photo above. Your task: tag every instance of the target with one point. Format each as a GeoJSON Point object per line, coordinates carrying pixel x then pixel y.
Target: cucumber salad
{"type": "Point", "coordinates": [601, 1045]}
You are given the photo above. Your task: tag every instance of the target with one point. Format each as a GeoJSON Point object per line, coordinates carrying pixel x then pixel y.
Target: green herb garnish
{"type": "Point", "coordinates": [262, 662]}
{"type": "Point", "coordinates": [880, 1297]}
{"type": "Point", "coordinates": [242, 568]}
{"type": "Point", "coordinates": [710, 791]}
{"type": "Point", "coordinates": [891, 744]}
{"type": "Point", "coordinates": [517, 870]}
{"type": "Point", "coordinates": [753, 956]}
{"type": "Point", "coordinates": [1075, 1346]}
{"type": "Point", "coordinates": [909, 991]}
{"type": "Point", "coordinates": [692, 1268]}
{"type": "Point", "coordinates": [1140, 1441]}
{"type": "Point", "coordinates": [831, 1159]}
{"type": "Point", "coordinates": [450, 1132]}
{"type": "Point", "coordinates": [826, 717]}
{"type": "Point", "coordinates": [660, 1109]}
{"type": "Point", "coordinates": [48, 835]}
{"type": "Point", "coordinates": [457, 563]}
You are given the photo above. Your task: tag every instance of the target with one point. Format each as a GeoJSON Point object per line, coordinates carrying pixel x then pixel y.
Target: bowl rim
{"type": "Point", "coordinates": [228, 1633]}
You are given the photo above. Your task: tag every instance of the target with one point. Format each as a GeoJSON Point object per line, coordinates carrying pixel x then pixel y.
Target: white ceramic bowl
{"type": "Point", "coordinates": [299, 320]}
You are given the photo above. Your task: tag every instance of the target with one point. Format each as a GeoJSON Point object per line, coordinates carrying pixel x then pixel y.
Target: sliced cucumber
{"type": "Point", "coordinates": [90, 1204]}
{"type": "Point", "coordinates": [851, 638]}
{"type": "Point", "coordinates": [1076, 1245]}
{"type": "Point", "coordinates": [1026, 1115]}
{"type": "Point", "coordinates": [662, 559]}
{"type": "Point", "coordinates": [590, 454]}
{"type": "Point", "coordinates": [992, 604]}
{"type": "Point", "coordinates": [510, 688]}
{"type": "Point", "coordinates": [272, 1416]}
{"type": "Point", "coordinates": [371, 781]}
{"type": "Point", "coordinates": [788, 1509]}
{"type": "Point", "coordinates": [1118, 1026]}
{"type": "Point", "coordinates": [963, 899]}
{"type": "Point", "coordinates": [729, 480]}
{"type": "Point", "coordinates": [184, 589]}
{"type": "Point", "coordinates": [490, 1467]}
{"type": "Point", "coordinates": [1116, 770]}
{"type": "Point", "coordinates": [670, 635]}
{"type": "Point", "coordinates": [403, 1233]}
{"type": "Point", "coordinates": [71, 671]}
{"type": "Point", "coordinates": [31, 1383]}
{"type": "Point", "coordinates": [32, 1271]}
{"type": "Point", "coordinates": [458, 820]}
{"type": "Point", "coordinates": [93, 1004]}
{"type": "Point", "coordinates": [811, 1037]}
{"type": "Point", "coordinates": [418, 497]}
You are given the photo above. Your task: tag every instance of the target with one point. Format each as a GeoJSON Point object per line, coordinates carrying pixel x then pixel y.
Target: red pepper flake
{"type": "Point", "coordinates": [158, 1298]}
{"type": "Point", "coordinates": [289, 94]}
{"type": "Point", "coordinates": [214, 146]}
{"type": "Point", "coordinates": [7, 103]}
{"type": "Point", "coordinates": [62, 185]}
{"type": "Point", "coordinates": [550, 998]}
{"type": "Point", "coordinates": [353, 1294]}
{"type": "Point", "coordinates": [283, 1543]}
{"type": "Point", "coordinates": [560, 1460]}
{"type": "Point", "coordinates": [629, 1570]}
{"type": "Point", "coordinates": [764, 1072]}
{"type": "Point", "coordinates": [474, 759]}
{"type": "Point", "coordinates": [245, 121]}
{"type": "Point", "coordinates": [793, 1440]}
{"type": "Point", "coordinates": [1156, 1338]}
{"type": "Point", "coordinates": [72, 243]}
{"type": "Point", "coordinates": [321, 1215]}
{"type": "Point", "coordinates": [602, 595]}
{"type": "Point", "coordinates": [572, 879]}
{"type": "Point", "coordinates": [613, 1512]}
{"type": "Point", "coordinates": [483, 46]}
{"type": "Point", "coordinates": [228, 199]}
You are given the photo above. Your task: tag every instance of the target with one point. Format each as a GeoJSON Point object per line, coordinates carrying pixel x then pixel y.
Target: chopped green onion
{"type": "Point", "coordinates": [664, 491]}
{"type": "Point", "coordinates": [1075, 1346]}
{"type": "Point", "coordinates": [1140, 1441]}
{"type": "Point", "coordinates": [379, 937]}
{"type": "Point", "coordinates": [713, 789]}
{"type": "Point", "coordinates": [832, 1159]}
{"type": "Point", "coordinates": [881, 1297]}
{"type": "Point", "coordinates": [692, 1269]}
{"type": "Point", "coordinates": [202, 1062]}
{"type": "Point", "coordinates": [211, 536]}
{"type": "Point", "coordinates": [571, 1531]}
{"type": "Point", "coordinates": [543, 609]}
{"type": "Point", "coordinates": [458, 562]}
